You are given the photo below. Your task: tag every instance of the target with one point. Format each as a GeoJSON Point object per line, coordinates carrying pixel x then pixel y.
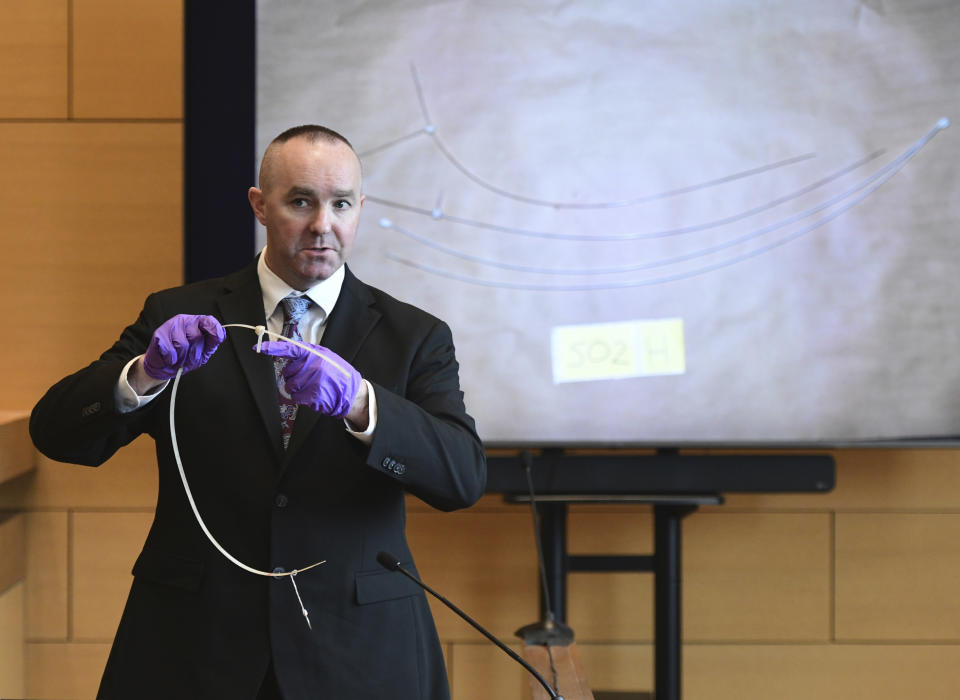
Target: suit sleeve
{"type": "Point", "coordinates": [425, 439]}
{"type": "Point", "coordinates": [77, 420]}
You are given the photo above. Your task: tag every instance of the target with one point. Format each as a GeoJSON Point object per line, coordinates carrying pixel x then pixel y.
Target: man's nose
{"type": "Point", "coordinates": [321, 222]}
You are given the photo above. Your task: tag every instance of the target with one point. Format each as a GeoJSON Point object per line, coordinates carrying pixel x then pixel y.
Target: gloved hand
{"type": "Point", "coordinates": [182, 340]}
{"type": "Point", "coordinates": [328, 384]}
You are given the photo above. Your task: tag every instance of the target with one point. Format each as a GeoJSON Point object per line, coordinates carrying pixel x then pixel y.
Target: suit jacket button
{"type": "Point", "coordinates": [400, 469]}
{"type": "Point", "coordinates": [385, 463]}
{"type": "Point", "coordinates": [279, 570]}
{"type": "Point", "coordinates": [280, 500]}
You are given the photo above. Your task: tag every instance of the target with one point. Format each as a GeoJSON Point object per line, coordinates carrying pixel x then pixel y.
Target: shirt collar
{"type": "Point", "coordinates": [324, 294]}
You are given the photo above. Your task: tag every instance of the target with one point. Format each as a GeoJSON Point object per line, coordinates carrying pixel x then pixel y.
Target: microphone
{"type": "Point", "coordinates": [391, 563]}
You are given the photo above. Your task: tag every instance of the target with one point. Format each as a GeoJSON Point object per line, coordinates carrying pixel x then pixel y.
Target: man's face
{"type": "Point", "coordinates": [309, 200]}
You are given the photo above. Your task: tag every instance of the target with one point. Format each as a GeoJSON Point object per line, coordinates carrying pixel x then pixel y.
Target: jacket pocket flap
{"type": "Point", "coordinates": [377, 586]}
{"type": "Point", "coordinates": [169, 569]}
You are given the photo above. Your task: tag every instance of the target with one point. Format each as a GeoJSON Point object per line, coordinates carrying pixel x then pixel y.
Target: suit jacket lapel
{"type": "Point", "coordinates": [243, 303]}
{"type": "Point", "coordinates": [347, 328]}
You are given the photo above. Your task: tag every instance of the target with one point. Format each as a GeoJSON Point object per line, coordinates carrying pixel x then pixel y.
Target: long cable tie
{"type": "Point", "coordinates": [259, 330]}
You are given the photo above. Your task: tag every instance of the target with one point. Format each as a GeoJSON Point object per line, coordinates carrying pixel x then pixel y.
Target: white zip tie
{"type": "Point", "coordinates": [306, 616]}
{"type": "Point", "coordinates": [259, 330]}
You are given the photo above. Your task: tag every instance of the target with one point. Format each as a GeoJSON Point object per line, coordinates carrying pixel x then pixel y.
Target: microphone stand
{"type": "Point", "coordinates": [547, 632]}
{"type": "Point", "coordinates": [391, 563]}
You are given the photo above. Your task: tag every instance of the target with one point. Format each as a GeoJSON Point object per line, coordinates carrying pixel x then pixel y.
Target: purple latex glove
{"type": "Point", "coordinates": [328, 384]}
{"type": "Point", "coordinates": [182, 340]}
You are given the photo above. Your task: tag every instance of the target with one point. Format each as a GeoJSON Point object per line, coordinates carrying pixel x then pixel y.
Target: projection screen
{"type": "Point", "coordinates": [656, 223]}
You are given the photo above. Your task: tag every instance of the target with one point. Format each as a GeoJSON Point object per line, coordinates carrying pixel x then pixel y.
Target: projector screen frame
{"type": "Point", "coordinates": [219, 136]}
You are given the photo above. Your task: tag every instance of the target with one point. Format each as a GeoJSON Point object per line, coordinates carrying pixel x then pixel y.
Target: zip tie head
{"type": "Point", "coordinates": [259, 330]}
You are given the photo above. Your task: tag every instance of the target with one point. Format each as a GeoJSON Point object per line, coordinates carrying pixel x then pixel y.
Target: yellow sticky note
{"type": "Point", "coordinates": [593, 351]}
{"type": "Point", "coordinates": [596, 351]}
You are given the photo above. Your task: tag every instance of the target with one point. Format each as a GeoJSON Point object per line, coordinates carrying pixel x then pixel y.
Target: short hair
{"type": "Point", "coordinates": [311, 132]}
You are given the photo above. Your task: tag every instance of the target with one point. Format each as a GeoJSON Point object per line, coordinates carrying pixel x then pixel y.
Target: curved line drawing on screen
{"type": "Point", "coordinates": [390, 144]}
{"type": "Point", "coordinates": [895, 164]}
{"type": "Point", "coordinates": [878, 180]}
{"type": "Point", "coordinates": [431, 130]}
{"type": "Point", "coordinates": [437, 213]}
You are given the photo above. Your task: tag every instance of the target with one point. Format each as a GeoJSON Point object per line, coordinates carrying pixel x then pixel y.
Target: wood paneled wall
{"type": "Point", "coordinates": [834, 596]}
{"type": "Point", "coordinates": [12, 613]}
{"type": "Point", "coordinates": [849, 594]}
{"type": "Point", "coordinates": [91, 195]}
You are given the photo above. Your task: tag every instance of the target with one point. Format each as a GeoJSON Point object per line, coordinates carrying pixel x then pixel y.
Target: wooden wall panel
{"type": "Point", "coordinates": [757, 576]}
{"type": "Point", "coordinates": [12, 644]}
{"type": "Point", "coordinates": [484, 563]}
{"type": "Point", "coordinates": [821, 672]}
{"type": "Point", "coordinates": [33, 59]}
{"type": "Point", "coordinates": [747, 576]}
{"type": "Point", "coordinates": [608, 529]}
{"type": "Point", "coordinates": [128, 480]}
{"type": "Point", "coordinates": [490, 503]}
{"type": "Point", "coordinates": [898, 576]}
{"type": "Point", "coordinates": [785, 671]}
{"type": "Point", "coordinates": [16, 451]}
{"type": "Point", "coordinates": [127, 59]}
{"type": "Point", "coordinates": [619, 667]}
{"type": "Point", "coordinates": [605, 607]}
{"type": "Point", "coordinates": [481, 671]}
{"type": "Point", "coordinates": [104, 548]}
{"type": "Point", "coordinates": [47, 575]}
{"type": "Point", "coordinates": [13, 549]}
{"type": "Point", "coordinates": [94, 220]}
{"type": "Point", "coordinates": [12, 628]}
{"type": "Point", "coordinates": [64, 671]}
{"type": "Point", "coordinates": [897, 480]}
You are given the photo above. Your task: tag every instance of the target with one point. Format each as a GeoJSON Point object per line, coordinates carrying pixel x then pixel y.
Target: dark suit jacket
{"type": "Point", "coordinates": [197, 626]}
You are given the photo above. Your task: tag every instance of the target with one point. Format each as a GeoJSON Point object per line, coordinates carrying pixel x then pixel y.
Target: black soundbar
{"type": "Point", "coordinates": [596, 475]}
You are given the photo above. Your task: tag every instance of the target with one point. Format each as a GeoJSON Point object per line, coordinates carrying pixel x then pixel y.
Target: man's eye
{"type": "Point", "coordinates": [299, 202]}
{"type": "Point", "coordinates": [342, 204]}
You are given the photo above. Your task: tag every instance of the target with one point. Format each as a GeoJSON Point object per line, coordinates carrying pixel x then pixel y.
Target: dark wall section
{"type": "Point", "coordinates": [219, 136]}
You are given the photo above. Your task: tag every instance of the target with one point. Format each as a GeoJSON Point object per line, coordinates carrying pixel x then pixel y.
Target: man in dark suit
{"type": "Point", "coordinates": [380, 414]}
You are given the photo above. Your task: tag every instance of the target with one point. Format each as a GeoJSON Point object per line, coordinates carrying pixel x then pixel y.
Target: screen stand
{"type": "Point", "coordinates": [664, 564]}
{"type": "Point", "coordinates": [674, 485]}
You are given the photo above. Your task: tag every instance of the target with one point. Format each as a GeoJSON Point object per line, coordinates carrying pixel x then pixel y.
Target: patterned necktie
{"type": "Point", "coordinates": [293, 310]}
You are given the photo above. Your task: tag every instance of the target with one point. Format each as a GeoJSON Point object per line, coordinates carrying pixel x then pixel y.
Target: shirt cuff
{"type": "Point", "coordinates": [126, 398]}
{"type": "Point", "coordinates": [366, 437]}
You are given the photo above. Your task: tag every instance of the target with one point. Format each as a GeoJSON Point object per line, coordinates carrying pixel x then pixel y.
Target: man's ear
{"type": "Point", "coordinates": [255, 195]}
